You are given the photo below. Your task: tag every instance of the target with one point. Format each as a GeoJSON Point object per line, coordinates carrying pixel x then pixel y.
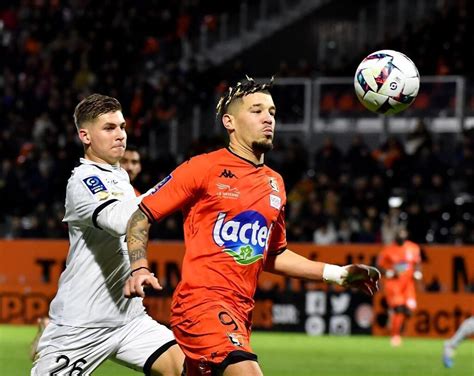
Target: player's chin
{"type": "Point", "coordinates": [118, 151]}
{"type": "Point", "coordinates": [263, 145]}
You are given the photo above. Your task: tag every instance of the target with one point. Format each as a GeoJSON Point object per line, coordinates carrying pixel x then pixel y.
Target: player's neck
{"type": "Point", "coordinates": [247, 153]}
{"type": "Point", "coordinates": [96, 159]}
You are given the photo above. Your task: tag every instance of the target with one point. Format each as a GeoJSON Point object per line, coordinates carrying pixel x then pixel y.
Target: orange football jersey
{"type": "Point", "coordinates": [401, 258]}
{"type": "Point", "coordinates": [233, 217]}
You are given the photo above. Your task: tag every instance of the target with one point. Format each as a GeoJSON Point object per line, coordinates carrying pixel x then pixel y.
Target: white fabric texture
{"type": "Point", "coordinates": [97, 266]}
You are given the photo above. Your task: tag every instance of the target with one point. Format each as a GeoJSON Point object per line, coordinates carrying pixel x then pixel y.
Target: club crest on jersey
{"type": "Point", "coordinates": [243, 237]}
{"type": "Point", "coordinates": [274, 184]}
{"type": "Point", "coordinates": [157, 187]}
{"type": "Point", "coordinates": [94, 184]}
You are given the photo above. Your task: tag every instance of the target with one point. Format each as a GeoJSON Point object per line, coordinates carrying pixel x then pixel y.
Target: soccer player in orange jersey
{"type": "Point", "coordinates": [401, 264]}
{"type": "Point", "coordinates": [234, 223]}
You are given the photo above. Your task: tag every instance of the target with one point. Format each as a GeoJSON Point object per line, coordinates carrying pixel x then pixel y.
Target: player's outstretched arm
{"type": "Point", "coordinates": [291, 264]}
{"type": "Point", "coordinates": [137, 240]}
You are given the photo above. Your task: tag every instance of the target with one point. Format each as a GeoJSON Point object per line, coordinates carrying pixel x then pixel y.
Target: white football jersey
{"type": "Point", "coordinates": [90, 290]}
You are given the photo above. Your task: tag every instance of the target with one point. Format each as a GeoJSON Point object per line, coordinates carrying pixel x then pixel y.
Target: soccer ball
{"type": "Point", "coordinates": [386, 82]}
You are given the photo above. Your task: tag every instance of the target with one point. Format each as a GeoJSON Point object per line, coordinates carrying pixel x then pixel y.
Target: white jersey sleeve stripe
{"type": "Point", "coordinates": [98, 210]}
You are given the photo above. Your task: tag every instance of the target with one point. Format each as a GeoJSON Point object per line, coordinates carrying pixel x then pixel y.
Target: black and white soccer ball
{"type": "Point", "coordinates": [387, 82]}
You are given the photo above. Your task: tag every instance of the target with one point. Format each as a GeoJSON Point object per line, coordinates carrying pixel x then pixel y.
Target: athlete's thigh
{"type": "Point", "coordinates": [410, 296]}
{"type": "Point", "coordinates": [248, 368]}
{"type": "Point", "coordinates": [64, 350]}
{"type": "Point", "coordinates": [394, 293]}
{"type": "Point", "coordinates": [213, 339]}
{"type": "Point", "coordinates": [145, 345]}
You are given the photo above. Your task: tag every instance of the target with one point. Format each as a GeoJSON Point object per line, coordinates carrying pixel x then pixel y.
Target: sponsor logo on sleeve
{"type": "Point", "coordinates": [160, 185]}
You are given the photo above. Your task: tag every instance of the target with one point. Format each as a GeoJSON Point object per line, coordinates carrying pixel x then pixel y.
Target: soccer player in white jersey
{"type": "Point", "coordinates": [91, 320]}
{"type": "Point", "coordinates": [130, 162]}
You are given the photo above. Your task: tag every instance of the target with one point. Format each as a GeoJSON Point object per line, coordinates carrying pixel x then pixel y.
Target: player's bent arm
{"type": "Point", "coordinates": [113, 217]}
{"type": "Point", "coordinates": [137, 240]}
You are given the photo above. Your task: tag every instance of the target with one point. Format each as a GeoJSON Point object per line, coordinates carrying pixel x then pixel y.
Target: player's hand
{"type": "Point", "coordinates": [362, 277]}
{"type": "Point", "coordinates": [134, 286]}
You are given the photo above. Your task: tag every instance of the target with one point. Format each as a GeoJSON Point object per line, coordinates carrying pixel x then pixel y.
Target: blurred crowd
{"type": "Point", "coordinates": [363, 194]}
{"type": "Point", "coordinates": [56, 52]}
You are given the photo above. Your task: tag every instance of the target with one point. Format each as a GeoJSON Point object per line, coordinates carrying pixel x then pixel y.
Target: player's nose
{"type": "Point", "coordinates": [268, 119]}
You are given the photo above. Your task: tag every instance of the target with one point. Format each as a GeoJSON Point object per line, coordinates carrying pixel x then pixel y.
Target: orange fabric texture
{"type": "Point", "coordinates": [233, 217]}
{"type": "Point", "coordinates": [400, 292]}
{"type": "Point", "coordinates": [209, 335]}
{"type": "Point", "coordinates": [403, 259]}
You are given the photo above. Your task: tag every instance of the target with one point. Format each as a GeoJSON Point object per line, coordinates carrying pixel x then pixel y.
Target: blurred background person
{"type": "Point", "coordinates": [400, 263]}
{"type": "Point", "coordinates": [464, 331]}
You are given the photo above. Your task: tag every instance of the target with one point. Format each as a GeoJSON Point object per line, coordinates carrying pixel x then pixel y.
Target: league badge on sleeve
{"type": "Point", "coordinates": [275, 202]}
{"type": "Point", "coordinates": [94, 184]}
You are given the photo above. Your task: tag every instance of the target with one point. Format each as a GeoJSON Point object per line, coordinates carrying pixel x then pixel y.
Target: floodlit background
{"type": "Point", "coordinates": [351, 176]}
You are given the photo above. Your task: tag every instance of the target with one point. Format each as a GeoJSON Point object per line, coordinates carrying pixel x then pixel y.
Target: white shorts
{"type": "Point", "coordinates": [73, 351]}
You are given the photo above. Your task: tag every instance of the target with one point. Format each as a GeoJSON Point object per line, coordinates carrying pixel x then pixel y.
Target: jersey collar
{"type": "Point", "coordinates": [246, 160]}
{"type": "Point", "coordinates": [101, 166]}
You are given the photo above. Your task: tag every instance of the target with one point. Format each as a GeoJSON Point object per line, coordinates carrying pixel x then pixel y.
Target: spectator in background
{"type": "Point", "coordinates": [344, 232]}
{"type": "Point", "coordinates": [367, 233]}
{"type": "Point", "coordinates": [328, 158]}
{"type": "Point", "coordinates": [295, 162]}
{"type": "Point", "coordinates": [325, 234]}
{"type": "Point", "coordinates": [49, 62]}
{"type": "Point", "coordinates": [417, 140]}
{"type": "Point", "coordinates": [418, 222]}
{"type": "Point", "coordinates": [131, 163]}
{"type": "Point", "coordinates": [389, 153]}
{"type": "Point", "coordinates": [390, 225]}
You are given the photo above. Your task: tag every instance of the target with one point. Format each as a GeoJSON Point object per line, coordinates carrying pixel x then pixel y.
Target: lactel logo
{"type": "Point", "coordinates": [244, 237]}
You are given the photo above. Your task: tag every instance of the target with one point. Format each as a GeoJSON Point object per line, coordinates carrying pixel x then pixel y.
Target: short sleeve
{"type": "Point", "coordinates": [86, 196]}
{"type": "Point", "coordinates": [178, 189]}
{"type": "Point", "coordinates": [278, 236]}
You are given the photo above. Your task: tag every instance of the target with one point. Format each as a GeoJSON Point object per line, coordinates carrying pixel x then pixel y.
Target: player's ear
{"type": "Point", "coordinates": [228, 121]}
{"type": "Point", "coordinates": [84, 136]}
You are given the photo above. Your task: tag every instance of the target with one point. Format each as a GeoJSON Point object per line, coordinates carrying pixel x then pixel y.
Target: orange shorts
{"type": "Point", "coordinates": [213, 338]}
{"type": "Point", "coordinates": [400, 293]}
